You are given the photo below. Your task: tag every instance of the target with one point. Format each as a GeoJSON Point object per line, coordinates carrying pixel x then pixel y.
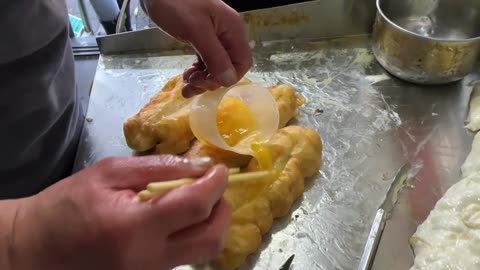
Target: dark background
{"type": "Point", "coordinates": [245, 5]}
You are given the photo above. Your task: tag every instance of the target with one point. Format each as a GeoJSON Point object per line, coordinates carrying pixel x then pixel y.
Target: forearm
{"type": "Point", "coordinates": [8, 214]}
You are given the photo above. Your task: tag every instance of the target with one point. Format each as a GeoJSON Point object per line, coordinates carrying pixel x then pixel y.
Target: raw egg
{"type": "Point", "coordinates": [241, 119]}
{"type": "Point", "coordinates": [235, 122]}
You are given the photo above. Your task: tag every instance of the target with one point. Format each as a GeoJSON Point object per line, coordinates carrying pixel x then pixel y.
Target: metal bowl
{"type": "Point", "coordinates": [427, 41]}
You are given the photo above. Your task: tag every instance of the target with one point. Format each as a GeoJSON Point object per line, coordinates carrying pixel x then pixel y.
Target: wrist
{"type": "Point", "coordinates": [24, 249]}
{"type": "Point", "coordinates": [9, 210]}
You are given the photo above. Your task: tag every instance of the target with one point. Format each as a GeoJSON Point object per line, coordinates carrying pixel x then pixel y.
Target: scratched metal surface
{"type": "Point", "coordinates": [311, 20]}
{"type": "Point", "coordinates": [371, 125]}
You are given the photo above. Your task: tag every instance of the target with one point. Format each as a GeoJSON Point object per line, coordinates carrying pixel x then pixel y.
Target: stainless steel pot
{"type": "Point", "coordinates": [427, 41]}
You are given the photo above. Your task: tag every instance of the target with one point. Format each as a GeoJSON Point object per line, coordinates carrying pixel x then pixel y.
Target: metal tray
{"type": "Point", "coordinates": [371, 124]}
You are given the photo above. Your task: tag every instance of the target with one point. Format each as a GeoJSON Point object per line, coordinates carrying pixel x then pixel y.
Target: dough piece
{"type": "Point", "coordinates": [474, 109]}
{"type": "Point", "coordinates": [450, 236]}
{"type": "Point", "coordinates": [254, 205]}
{"type": "Point", "coordinates": [162, 123]}
{"type": "Point", "coordinates": [228, 158]}
{"type": "Point", "coordinates": [288, 102]}
{"type": "Point", "coordinates": [472, 163]}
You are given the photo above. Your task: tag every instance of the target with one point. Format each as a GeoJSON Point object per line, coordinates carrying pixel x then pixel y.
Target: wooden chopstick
{"type": "Point", "coordinates": [233, 171]}
{"type": "Point", "coordinates": [158, 188]}
{"type": "Point", "coordinates": [232, 179]}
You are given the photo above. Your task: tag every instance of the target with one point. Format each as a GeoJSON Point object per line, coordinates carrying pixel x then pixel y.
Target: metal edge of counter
{"type": "Point", "coordinates": [307, 20]}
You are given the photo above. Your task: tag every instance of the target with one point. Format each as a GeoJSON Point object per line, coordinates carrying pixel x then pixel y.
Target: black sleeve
{"type": "Point", "coordinates": [245, 5]}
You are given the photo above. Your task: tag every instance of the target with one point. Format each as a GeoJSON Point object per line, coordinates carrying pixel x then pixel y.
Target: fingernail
{"type": "Point", "coordinates": [228, 77]}
{"type": "Point", "coordinates": [201, 163]}
{"type": "Point", "coordinates": [186, 93]}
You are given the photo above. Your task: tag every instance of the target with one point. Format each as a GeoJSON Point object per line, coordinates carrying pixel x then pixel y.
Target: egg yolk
{"type": "Point", "coordinates": [235, 122]}
{"type": "Point", "coordinates": [263, 156]}
{"type": "Point", "coordinates": [252, 190]}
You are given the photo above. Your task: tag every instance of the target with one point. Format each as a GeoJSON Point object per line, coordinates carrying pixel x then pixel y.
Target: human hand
{"type": "Point", "coordinates": [215, 31]}
{"type": "Point", "coordinates": [93, 220]}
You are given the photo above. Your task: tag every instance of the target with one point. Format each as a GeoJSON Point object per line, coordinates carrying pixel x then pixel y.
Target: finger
{"type": "Point", "coordinates": [214, 56]}
{"type": "Point", "coordinates": [136, 172]}
{"type": "Point", "coordinates": [234, 39]}
{"type": "Point", "coordinates": [203, 242]}
{"type": "Point", "coordinates": [191, 204]}
{"type": "Point", "coordinates": [198, 65]}
{"type": "Point", "coordinates": [198, 83]}
{"type": "Point", "coordinates": [202, 79]}
{"type": "Point", "coordinates": [189, 91]}
{"type": "Point", "coordinates": [188, 72]}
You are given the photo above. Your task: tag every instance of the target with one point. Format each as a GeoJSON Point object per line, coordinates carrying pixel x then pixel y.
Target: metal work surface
{"type": "Point", "coordinates": [371, 125]}
{"type": "Point", "coordinates": [311, 20]}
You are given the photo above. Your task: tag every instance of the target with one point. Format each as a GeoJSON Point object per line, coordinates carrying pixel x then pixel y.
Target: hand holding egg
{"type": "Point", "coordinates": [215, 31]}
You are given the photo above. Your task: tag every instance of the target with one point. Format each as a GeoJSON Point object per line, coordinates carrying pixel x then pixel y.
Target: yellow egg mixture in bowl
{"type": "Point", "coordinates": [241, 119]}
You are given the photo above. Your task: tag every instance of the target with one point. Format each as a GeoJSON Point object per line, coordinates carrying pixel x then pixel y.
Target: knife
{"type": "Point", "coordinates": [288, 263]}
{"type": "Point", "coordinates": [382, 215]}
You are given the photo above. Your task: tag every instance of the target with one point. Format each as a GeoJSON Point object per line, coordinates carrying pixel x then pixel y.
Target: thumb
{"type": "Point", "coordinates": [136, 172]}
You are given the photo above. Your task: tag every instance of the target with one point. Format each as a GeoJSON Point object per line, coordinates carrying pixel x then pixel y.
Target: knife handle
{"type": "Point", "coordinates": [373, 241]}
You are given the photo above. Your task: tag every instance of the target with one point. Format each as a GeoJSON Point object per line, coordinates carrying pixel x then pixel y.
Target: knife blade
{"type": "Point", "coordinates": [288, 263]}
{"type": "Point", "coordinates": [382, 215]}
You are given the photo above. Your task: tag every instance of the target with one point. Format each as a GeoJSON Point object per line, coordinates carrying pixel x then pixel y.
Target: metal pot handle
{"type": "Point", "coordinates": [120, 28]}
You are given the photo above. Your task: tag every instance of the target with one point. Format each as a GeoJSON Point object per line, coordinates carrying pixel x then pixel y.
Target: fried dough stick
{"type": "Point", "coordinates": [255, 204]}
{"type": "Point", "coordinates": [162, 123]}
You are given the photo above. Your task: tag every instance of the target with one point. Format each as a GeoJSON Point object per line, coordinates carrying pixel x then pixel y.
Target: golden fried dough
{"type": "Point", "coordinates": [296, 152]}
{"type": "Point", "coordinates": [228, 158]}
{"type": "Point", "coordinates": [254, 205]}
{"type": "Point", "coordinates": [288, 102]}
{"type": "Point", "coordinates": [162, 123]}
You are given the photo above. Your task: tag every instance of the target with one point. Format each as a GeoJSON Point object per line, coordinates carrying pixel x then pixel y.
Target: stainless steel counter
{"type": "Point", "coordinates": [371, 125]}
